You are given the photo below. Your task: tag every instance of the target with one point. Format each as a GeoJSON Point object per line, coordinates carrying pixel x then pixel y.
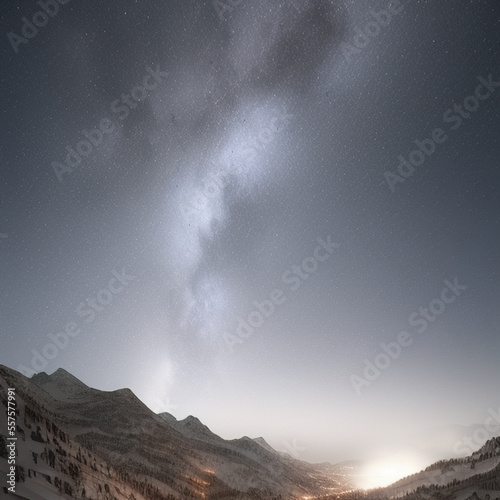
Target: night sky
{"type": "Point", "coordinates": [236, 208]}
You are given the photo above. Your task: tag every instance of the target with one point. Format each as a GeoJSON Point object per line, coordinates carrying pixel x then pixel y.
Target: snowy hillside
{"type": "Point", "coordinates": [78, 442]}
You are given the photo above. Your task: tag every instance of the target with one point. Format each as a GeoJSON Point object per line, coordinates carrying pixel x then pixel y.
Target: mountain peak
{"type": "Point", "coordinates": [61, 371]}
{"type": "Point", "coordinates": [193, 424]}
{"type": "Point", "coordinates": [191, 419]}
{"type": "Point", "coordinates": [491, 448]}
{"type": "Point", "coordinates": [168, 417]}
{"type": "Point", "coordinates": [60, 385]}
{"type": "Point", "coordinates": [262, 442]}
{"type": "Point", "coordinates": [191, 427]}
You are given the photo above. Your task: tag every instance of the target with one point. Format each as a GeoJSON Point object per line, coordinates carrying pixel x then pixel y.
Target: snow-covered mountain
{"type": "Point", "coordinates": [76, 442]}
{"type": "Point", "coordinates": [475, 477]}
{"type": "Point", "coordinates": [464, 476]}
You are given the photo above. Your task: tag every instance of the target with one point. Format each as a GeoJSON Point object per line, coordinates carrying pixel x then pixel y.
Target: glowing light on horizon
{"type": "Point", "coordinates": [387, 471]}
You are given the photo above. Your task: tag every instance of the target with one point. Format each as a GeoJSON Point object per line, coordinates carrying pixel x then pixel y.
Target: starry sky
{"type": "Point", "coordinates": [279, 216]}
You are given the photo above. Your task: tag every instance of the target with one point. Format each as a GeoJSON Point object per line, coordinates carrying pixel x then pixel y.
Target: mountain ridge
{"type": "Point", "coordinates": [78, 440]}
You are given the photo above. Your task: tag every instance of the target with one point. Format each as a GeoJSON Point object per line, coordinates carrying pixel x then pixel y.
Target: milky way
{"type": "Point", "coordinates": [199, 203]}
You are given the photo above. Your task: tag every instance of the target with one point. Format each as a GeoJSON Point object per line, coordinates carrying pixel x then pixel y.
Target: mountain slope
{"type": "Point", "coordinates": [475, 477]}
{"type": "Point", "coordinates": [262, 442]}
{"type": "Point", "coordinates": [74, 441]}
{"type": "Point", "coordinates": [446, 472]}
{"type": "Point", "coordinates": [283, 468]}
